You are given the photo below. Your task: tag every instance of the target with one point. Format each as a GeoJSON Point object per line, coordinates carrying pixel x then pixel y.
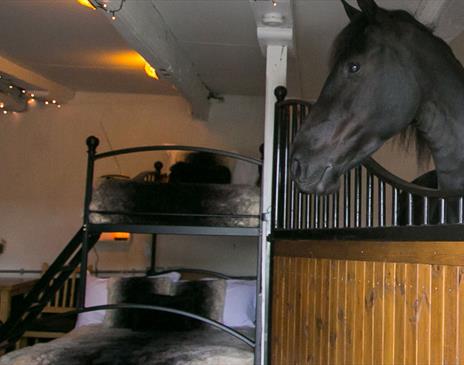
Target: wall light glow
{"type": "Point", "coordinates": [150, 71]}
{"type": "Point", "coordinates": [87, 3]}
{"type": "Point", "coordinates": [126, 59]}
{"type": "Point", "coordinates": [114, 236]}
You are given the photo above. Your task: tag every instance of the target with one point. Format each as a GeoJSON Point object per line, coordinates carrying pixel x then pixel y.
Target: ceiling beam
{"type": "Point", "coordinates": [52, 90]}
{"type": "Point", "coordinates": [445, 17]}
{"type": "Point", "coordinates": [144, 28]}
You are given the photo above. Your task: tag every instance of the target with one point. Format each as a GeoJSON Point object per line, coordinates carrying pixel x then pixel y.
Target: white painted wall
{"type": "Point", "coordinates": [399, 161]}
{"type": "Point", "coordinates": [43, 172]}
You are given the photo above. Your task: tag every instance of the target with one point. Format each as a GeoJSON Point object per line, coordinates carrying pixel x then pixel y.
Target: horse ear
{"type": "Point", "coordinates": [350, 11]}
{"type": "Point", "coordinates": [369, 8]}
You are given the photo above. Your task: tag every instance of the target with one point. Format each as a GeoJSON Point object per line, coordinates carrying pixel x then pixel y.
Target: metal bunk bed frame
{"type": "Point", "coordinates": [92, 228]}
{"type": "Point", "coordinates": [76, 251]}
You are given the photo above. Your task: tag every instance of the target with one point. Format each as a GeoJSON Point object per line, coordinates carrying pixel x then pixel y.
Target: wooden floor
{"type": "Point", "coordinates": [335, 311]}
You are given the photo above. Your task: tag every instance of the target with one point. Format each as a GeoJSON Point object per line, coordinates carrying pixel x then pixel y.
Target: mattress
{"type": "Point", "coordinates": [100, 345]}
{"type": "Point", "coordinates": [121, 201]}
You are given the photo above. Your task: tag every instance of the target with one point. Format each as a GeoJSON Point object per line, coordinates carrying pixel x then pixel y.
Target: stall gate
{"type": "Point", "coordinates": [370, 275]}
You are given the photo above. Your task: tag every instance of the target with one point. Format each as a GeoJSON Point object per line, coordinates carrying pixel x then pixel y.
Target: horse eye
{"type": "Point", "coordinates": [353, 67]}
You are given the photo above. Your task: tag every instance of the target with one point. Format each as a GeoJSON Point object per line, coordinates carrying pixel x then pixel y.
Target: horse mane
{"type": "Point", "coordinates": [412, 136]}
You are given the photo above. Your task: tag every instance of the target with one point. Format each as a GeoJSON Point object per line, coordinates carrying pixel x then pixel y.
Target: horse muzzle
{"type": "Point", "coordinates": [322, 180]}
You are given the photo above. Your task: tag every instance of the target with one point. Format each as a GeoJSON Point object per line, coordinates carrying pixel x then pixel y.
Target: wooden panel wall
{"type": "Point", "coordinates": [334, 311]}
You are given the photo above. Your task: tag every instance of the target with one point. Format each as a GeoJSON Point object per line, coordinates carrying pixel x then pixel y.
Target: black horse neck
{"type": "Point", "coordinates": [441, 119]}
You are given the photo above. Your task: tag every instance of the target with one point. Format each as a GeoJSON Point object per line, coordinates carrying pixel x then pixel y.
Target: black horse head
{"type": "Point", "coordinates": [381, 79]}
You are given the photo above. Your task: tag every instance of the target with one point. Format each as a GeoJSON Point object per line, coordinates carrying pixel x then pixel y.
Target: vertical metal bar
{"type": "Point", "coordinates": [410, 209]}
{"type": "Point", "coordinates": [303, 211]}
{"type": "Point", "coordinates": [300, 210]}
{"type": "Point", "coordinates": [276, 217]}
{"type": "Point", "coordinates": [92, 144]}
{"type": "Point", "coordinates": [154, 241]}
{"type": "Point", "coordinates": [316, 211]}
{"type": "Point", "coordinates": [357, 195]}
{"type": "Point", "coordinates": [381, 203]}
{"type": "Point", "coordinates": [425, 210]}
{"type": "Point", "coordinates": [293, 127]}
{"type": "Point", "coordinates": [460, 210]}
{"type": "Point", "coordinates": [335, 199]}
{"type": "Point", "coordinates": [299, 117]}
{"type": "Point", "coordinates": [325, 211]}
{"type": "Point", "coordinates": [291, 208]}
{"type": "Point", "coordinates": [308, 211]}
{"type": "Point", "coordinates": [369, 200]}
{"type": "Point", "coordinates": [395, 211]}
{"type": "Point", "coordinates": [442, 211]}
{"type": "Point", "coordinates": [284, 167]}
{"type": "Point", "coordinates": [347, 199]}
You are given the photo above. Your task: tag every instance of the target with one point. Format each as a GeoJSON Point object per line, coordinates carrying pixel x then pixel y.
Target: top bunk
{"type": "Point", "coordinates": [195, 198]}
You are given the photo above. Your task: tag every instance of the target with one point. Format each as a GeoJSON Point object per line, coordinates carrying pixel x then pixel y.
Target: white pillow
{"type": "Point", "coordinates": [240, 303]}
{"type": "Point", "coordinates": [173, 276]}
{"type": "Point", "coordinates": [96, 293]}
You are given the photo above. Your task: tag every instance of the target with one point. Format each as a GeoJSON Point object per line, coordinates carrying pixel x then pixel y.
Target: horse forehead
{"type": "Point", "coordinates": [362, 42]}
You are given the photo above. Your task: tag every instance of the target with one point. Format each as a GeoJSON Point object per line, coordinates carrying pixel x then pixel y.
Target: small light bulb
{"type": "Point", "coordinates": [113, 18]}
{"type": "Point", "coordinates": [54, 101]}
{"type": "Point", "coordinates": [5, 112]}
{"type": "Point", "coordinates": [58, 106]}
{"type": "Point", "coordinates": [2, 105]}
{"type": "Point", "coordinates": [105, 6]}
{"type": "Point", "coordinates": [32, 95]}
{"type": "Point", "coordinates": [23, 91]}
{"type": "Point", "coordinates": [274, 3]}
{"type": "Point", "coordinates": [46, 102]}
{"type": "Point", "coordinates": [11, 86]}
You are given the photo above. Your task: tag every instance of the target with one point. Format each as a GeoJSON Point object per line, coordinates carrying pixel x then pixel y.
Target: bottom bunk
{"type": "Point", "coordinates": [97, 344]}
{"type": "Point", "coordinates": [367, 302]}
{"type": "Point", "coordinates": [138, 320]}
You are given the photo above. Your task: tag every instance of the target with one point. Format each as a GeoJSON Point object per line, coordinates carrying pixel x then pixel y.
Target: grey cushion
{"type": "Point", "coordinates": [204, 298]}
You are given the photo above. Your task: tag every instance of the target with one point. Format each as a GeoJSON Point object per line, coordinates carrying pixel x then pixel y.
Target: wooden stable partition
{"type": "Point", "coordinates": [364, 302]}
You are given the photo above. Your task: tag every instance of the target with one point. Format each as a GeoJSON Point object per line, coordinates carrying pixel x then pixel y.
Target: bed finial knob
{"type": "Point", "coordinates": [280, 93]}
{"type": "Point", "coordinates": [158, 166]}
{"type": "Point", "coordinates": [92, 143]}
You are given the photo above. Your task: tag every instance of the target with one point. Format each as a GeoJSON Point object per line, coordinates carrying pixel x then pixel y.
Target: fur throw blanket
{"type": "Point", "coordinates": [99, 345]}
{"type": "Point", "coordinates": [128, 196]}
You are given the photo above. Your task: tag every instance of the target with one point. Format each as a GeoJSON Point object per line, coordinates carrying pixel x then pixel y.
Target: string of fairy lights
{"type": "Point", "coordinates": [104, 5]}
{"type": "Point", "coordinates": [11, 90]}
{"type": "Point", "coordinates": [21, 94]}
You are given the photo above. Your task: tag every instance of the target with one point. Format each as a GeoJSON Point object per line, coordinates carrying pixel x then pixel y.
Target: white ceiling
{"type": "Point", "coordinates": [80, 49]}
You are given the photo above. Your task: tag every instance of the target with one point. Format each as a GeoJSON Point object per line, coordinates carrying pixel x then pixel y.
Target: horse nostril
{"type": "Point", "coordinates": [296, 168]}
